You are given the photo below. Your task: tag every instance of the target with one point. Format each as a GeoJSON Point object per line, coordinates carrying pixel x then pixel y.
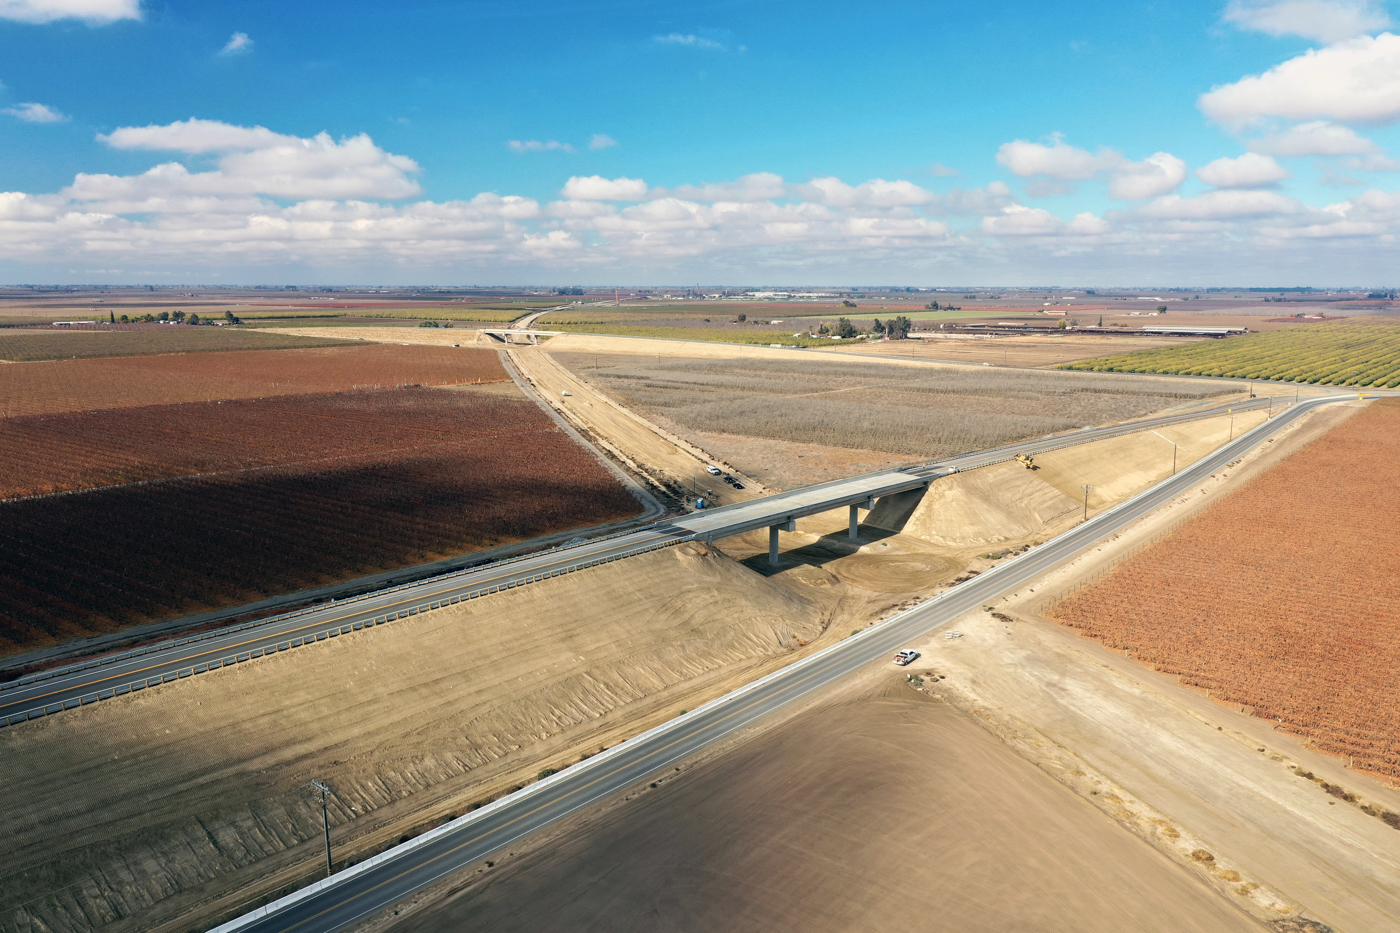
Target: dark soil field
{"type": "Point", "coordinates": [1283, 598]}
{"type": "Point", "coordinates": [20, 346]}
{"type": "Point", "coordinates": [162, 379]}
{"type": "Point", "coordinates": [271, 496]}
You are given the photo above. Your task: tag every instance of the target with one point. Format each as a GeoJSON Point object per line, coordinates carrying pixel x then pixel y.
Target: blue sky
{"type": "Point", "coordinates": [929, 143]}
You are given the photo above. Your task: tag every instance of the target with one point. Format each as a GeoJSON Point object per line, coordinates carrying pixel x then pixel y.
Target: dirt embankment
{"type": "Point", "coordinates": [884, 809]}
{"type": "Point", "coordinates": [188, 800]}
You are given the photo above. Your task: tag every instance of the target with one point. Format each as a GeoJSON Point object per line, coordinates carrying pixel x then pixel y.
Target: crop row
{"type": "Point", "coordinates": [124, 382]}
{"type": "Point", "coordinates": [1264, 601]}
{"type": "Point", "coordinates": [1353, 353]}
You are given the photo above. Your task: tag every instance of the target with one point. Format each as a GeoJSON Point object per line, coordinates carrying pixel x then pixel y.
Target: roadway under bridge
{"type": "Point", "coordinates": [63, 688]}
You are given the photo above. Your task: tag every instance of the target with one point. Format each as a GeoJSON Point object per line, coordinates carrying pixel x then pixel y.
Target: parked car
{"type": "Point", "coordinates": [905, 656]}
{"type": "Point", "coordinates": [713, 470]}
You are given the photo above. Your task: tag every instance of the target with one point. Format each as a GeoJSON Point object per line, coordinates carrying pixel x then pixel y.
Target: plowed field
{"type": "Point", "coordinates": [1283, 597]}
{"type": "Point", "coordinates": [226, 503]}
{"type": "Point", "coordinates": [133, 381]}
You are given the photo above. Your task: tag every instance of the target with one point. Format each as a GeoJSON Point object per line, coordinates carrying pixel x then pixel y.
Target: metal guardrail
{"type": "Point", "coordinates": [241, 656]}
{"type": "Point", "coordinates": [285, 616]}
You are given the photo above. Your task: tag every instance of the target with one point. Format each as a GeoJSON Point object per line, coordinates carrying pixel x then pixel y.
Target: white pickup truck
{"type": "Point", "coordinates": [905, 656]}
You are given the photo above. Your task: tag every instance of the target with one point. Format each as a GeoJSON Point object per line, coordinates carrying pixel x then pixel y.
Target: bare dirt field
{"type": "Point", "coordinates": [215, 504]}
{"type": "Point", "coordinates": [1275, 598]}
{"type": "Point", "coordinates": [883, 810]}
{"type": "Point", "coordinates": [163, 379]}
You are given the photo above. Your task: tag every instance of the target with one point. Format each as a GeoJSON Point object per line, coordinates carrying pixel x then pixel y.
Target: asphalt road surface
{"type": "Point", "coordinates": [378, 883]}
{"type": "Point", "coordinates": [64, 688]}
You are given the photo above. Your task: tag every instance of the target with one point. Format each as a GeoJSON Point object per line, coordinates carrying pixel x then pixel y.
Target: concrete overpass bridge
{"type": "Point", "coordinates": [529, 336]}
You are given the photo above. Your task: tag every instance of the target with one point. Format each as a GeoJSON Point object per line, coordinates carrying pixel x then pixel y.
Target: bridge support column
{"type": "Point", "coordinates": [789, 525]}
{"type": "Point", "coordinates": [854, 532]}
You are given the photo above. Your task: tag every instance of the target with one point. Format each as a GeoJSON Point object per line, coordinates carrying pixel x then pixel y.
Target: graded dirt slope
{"type": "Point", "coordinates": [195, 790]}
{"type": "Point", "coordinates": [889, 811]}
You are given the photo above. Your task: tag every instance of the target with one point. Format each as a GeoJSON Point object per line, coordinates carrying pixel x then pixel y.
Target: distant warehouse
{"type": "Point", "coordinates": [1186, 330]}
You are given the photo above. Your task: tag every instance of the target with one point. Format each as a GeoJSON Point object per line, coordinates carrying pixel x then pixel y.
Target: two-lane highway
{"type": "Point", "coordinates": [54, 691]}
{"type": "Point", "coordinates": [364, 889]}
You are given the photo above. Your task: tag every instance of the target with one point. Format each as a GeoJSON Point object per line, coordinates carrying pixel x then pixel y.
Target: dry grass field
{"type": "Point", "coordinates": [914, 412]}
{"type": "Point", "coordinates": [884, 811]}
{"type": "Point", "coordinates": [214, 504]}
{"type": "Point", "coordinates": [1283, 597]}
{"type": "Point", "coordinates": [42, 388]}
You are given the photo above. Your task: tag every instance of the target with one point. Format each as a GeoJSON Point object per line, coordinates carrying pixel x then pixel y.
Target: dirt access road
{"type": "Point", "coordinates": [643, 446]}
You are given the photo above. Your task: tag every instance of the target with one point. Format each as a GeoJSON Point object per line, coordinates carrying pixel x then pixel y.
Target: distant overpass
{"type": "Point", "coordinates": [527, 335]}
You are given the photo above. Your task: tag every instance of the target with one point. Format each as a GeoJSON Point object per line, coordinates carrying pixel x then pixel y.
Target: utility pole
{"type": "Point", "coordinates": [1232, 425]}
{"type": "Point", "coordinates": [1087, 487]}
{"type": "Point", "coordinates": [1173, 458]}
{"type": "Point", "coordinates": [325, 821]}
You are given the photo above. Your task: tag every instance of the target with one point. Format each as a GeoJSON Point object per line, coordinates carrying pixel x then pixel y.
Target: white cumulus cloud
{"type": "Point", "coordinates": [693, 41]}
{"type": "Point", "coordinates": [1220, 205]}
{"type": "Point", "coordinates": [36, 113]}
{"type": "Point", "coordinates": [1325, 20]}
{"type": "Point", "coordinates": [1158, 174]}
{"type": "Point", "coordinates": [254, 160]}
{"type": "Point", "coordinates": [874, 193]}
{"type": "Point", "coordinates": [47, 11]}
{"type": "Point", "coordinates": [601, 141]}
{"type": "Point", "coordinates": [1058, 160]}
{"type": "Point", "coordinates": [760, 186]}
{"type": "Point", "coordinates": [1250, 170]}
{"type": "Point", "coordinates": [1315, 138]}
{"type": "Point", "coordinates": [238, 42]}
{"type": "Point", "coordinates": [598, 188]}
{"type": "Point", "coordinates": [1357, 81]}
{"type": "Point", "coordinates": [536, 145]}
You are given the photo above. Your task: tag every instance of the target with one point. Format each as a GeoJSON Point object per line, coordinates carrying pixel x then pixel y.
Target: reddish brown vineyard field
{"type": "Point", "coordinates": [1283, 597]}
{"type": "Point", "coordinates": [324, 488]}
{"type": "Point", "coordinates": [44, 454]}
{"type": "Point", "coordinates": [127, 382]}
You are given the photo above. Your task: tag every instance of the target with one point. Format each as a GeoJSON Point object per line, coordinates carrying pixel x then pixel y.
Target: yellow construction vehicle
{"type": "Point", "coordinates": [1026, 460]}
